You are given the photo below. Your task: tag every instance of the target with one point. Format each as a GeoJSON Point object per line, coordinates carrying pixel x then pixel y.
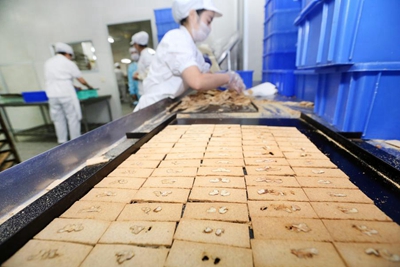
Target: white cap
{"type": "Point", "coordinates": [117, 65]}
{"type": "Point", "coordinates": [181, 8]}
{"type": "Point", "coordinates": [140, 38]}
{"type": "Point", "coordinates": [64, 48]}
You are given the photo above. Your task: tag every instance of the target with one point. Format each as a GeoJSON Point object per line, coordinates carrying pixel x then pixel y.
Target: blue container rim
{"type": "Point", "coordinates": [283, 52]}
{"type": "Point", "coordinates": [357, 67]}
{"type": "Point", "coordinates": [307, 10]}
{"type": "Point", "coordinates": [278, 71]}
{"type": "Point", "coordinates": [278, 33]}
{"type": "Point", "coordinates": [295, 10]}
{"type": "Point", "coordinates": [162, 9]}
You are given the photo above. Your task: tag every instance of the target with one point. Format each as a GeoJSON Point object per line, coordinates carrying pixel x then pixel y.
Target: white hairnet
{"type": "Point", "coordinates": [64, 48]}
{"type": "Point", "coordinates": [117, 65]}
{"type": "Point", "coordinates": [181, 8]}
{"type": "Point", "coordinates": [141, 38]}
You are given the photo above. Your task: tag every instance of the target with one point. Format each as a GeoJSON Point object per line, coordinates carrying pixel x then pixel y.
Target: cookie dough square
{"type": "Point", "coordinates": [38, 253]}
{"type": "Point", "coordinates": [97, 210]}
{"type": "Point", "coordinates": [312, 163]}
{"type": "Point", "coordinates": [294, 253]}
{"type": "Point", "coordinates": [139, 233]}
{"type": "Point", "coordinates": [158, 145]}
{"type": "Point", "coordinates": [228, 212]}
{"type": "Point", "coordinates": [220, 181]}
{"type": "Point", "coordinates": [269, 170]}
{"type": "Point", "coordinates": [226, 139]}
{"type": "Point", "coordinates": [183, 150]}
{"type": "Point", "coordinates": [125, 255]}
{"type": "Point", "coordinates": [212, 194]}
{"type": "Point", "coordinates": [355, 254]}
{"type": "Point", "coordinates": [166, 212]}
{"type": "Point", "coordinates": [237, 149]}
{"type": "Point", "coordinates": [305, 155]}
{"type": "Point", "coordinates": [172, 195]}
{"type": "Point", "coordinates": [223, 155]}
{"type": "Point", "coordinates": [290, 229]}
{"type": "Point", "coordinates": [142, 157]}
{"type": "Point", "coordinates": [213, 232]}
{"type": "Point", "coordinates": [337, 195]}
{"type": "Point", "coordinates": [185, 143]}
{"type": "Point", "coordinates": [175, 172]}
{"type": "Point", "coordinates": [265, 142]}
{"type": "Point", "coordinates": [207, 254]}
{"type": "Point", "coordinates": [224, 144]}
{"type": "Point", "coordinates": [266, 162]}
{"type": "Point", "coordinates": [145, 164]}
{"type": "Point", "coordinates": [281, 209]}
{"type": "Point", "coordinates": [151, 150]}
{"type": "Point", "coordinates": [169, 182]}
{"type": "Point", "coordinates": [110, 195]}
{"type": "Point", "coordinates": [262, 148]}
{"type": "Point", "coordinates": [263, 180]}
{"type": "Point", "coordinates": [263, 154]}
{"type": "Point", "coordinates": [319, 172]}
{"type": "Point", "coordinates": [121, 182]}
{"type": "Point", "coordinates": [276, 193]}
{"type": "Point", "coordinates": [82, 231]}
{"type": "Point", "coordinates": [131, 172]}
{"type": "Point", "coordinates": [363, 231]}
{"type": "Point", "coordinates": [183, 156]}
{"type": "Point", "coordinates": [180, 163]}
{"type": "Point", "coordinates": [349, 211]}
{"type": "Point", "coordinates": [222, 163]}
{"type": "Point", "coordinates": [320, 182]}
{"type": "Point", "coordinates": [220, 171]}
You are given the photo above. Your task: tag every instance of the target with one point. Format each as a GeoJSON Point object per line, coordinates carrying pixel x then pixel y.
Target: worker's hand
{"type": "Point", "coordinates": [136, 76]}
{"type": "Point", "coordinates": [236, 82]}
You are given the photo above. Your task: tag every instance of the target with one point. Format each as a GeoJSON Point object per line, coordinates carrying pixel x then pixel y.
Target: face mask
{"type": "Point", "coordinates": [135, 56]}
{"type": "Point", "coordinates": [200, 34]}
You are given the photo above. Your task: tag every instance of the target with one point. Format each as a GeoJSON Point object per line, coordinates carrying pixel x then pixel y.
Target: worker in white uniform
{"type": "Point", "coordinates": [178, 64]}
{"type": "Point", "coordinates": [119, 75]}
{"type": "Point", "coordinates": [140, 41]}
{"type": "Point", "coordinates": [64, 104]}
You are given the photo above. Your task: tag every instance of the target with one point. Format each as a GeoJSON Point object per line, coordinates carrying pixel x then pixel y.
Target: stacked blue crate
{"type": "Point", "coordinates": [280, 37]}
{"type": "Point", "coordinates": [349, 52]}
{"type": "Point", "coordinates": [164, 22]}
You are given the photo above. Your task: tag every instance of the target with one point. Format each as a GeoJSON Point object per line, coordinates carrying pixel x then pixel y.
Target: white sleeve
{"type": "Point", "coordinates": [74, 70]}
{"type": "Point", "coordinates": [179, 57]}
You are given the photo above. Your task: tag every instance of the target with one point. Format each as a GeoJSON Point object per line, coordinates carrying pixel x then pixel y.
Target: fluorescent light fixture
{"type": "Point", "coordinates": [126, 61]}
{"type": "Point", "coordinates": [110, 39]}
{"type": "Point", "coordinates": [94, 58]}
{"type": "Point", "coordinates": [93, 50]}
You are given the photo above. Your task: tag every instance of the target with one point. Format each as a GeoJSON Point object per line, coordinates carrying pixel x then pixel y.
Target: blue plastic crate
{"type": "Point", "coordinates": [280, 42]}
{"type": "Point", "coordinates": [361, 98]}
{"type": "Point", "coordinates": [163, 15]}
{"type": "Point", "coordinates": [348, 31]}
{"type": "Point", "coordinates": [306, 84]}
{"type": "Point", "coordinates": [284, 80]}
{"type": "Point", "coordinates": [281, 21]}
{"type": "Point", "coordinates": [34, 96]}
{"type": "Point", "coordinates": [279, 60]}
{"type": "Point", "coordinates": [247, 77]}
{"type": "Point", "coordinates": [274, 5]}
{"type": "Point", "coordinates": [304, 3]}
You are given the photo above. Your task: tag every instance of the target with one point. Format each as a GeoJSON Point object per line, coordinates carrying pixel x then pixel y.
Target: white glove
{"type": "Point", "coordinates": [235, 82]}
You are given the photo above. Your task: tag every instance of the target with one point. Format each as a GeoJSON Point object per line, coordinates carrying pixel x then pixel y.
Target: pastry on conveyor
{"type": "Point", "coordinates": [319, 172]}
{"type": "Point", "coordinates": [136, 172]}
{"type": "Point", "coordinates": [162, 212]}
{"type": "Point", "coordinates": [281, 209]}
{"type": "Point", "coordinates": [218, 194]}
{"type": "Point", "coordinates": [184, 156]}
{"type": "Point", "coordinates": [213, 232]}
{"type": "Point", "coordinates": [121, 182]}
{"type": "Point", "coordinates": [147, 164]}
{"type": "Point", "coordinates": [169, 182]}
{"type": "Point", "coordinates": [295, 253]}
{"type": "Point", "coordinates": [38, 253]}
{"type": "Point", "coordinates": [271, 180]}
{"type": "Point", "coordinates": [208, 162]}
{"type": "Point", "coordinates": [264, 161]}
{"type": "Point", "coordinates": [180, 163]}
{"type": "Point", "coordinates": [223, 155]}
{"type": "Point", "coordinates": [268, 192]}
{"type": "Point", "coordinates": [220, 171]}
{"type": "Point", "coordinates": [337, 195]}
{"type": "Point", "coordinates": [228, 212]}
{"type": "Point", "coordinates": [326, 182]}
{"type": "Point", "coordinates": [267, 170]}
{"type": "Point", "coordinates": [175, 172]}
{"type": "Point", "coordinates": [312, 163]}
{"type": "Point", "coordinates": [207, 255]}
{"type": "Point", "coordinates": [125, 255]}
{"type": "Point", "coordinates": [163, 194]}
{"type": "Point", "coordinates": [110, 195]}
{"type": "Point", "coordinates": [97, 210]}
{"type": "Point", "coordinates": [220, 181]}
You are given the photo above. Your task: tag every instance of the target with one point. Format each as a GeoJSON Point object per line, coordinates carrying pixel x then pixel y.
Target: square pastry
{"type": "Point", "coordinates": [141, 157]}
{"type": "Point", "coordinates": [213, 232]}
{"type": "Point", "coordinates": [125, 255]}
{"type": "Point", "coordinates": [169, 182]}
{"type": "Point", "coordinates": [266, 162]}
{"type": "Point", "coordinates": [82, 231]}
{"type": "Point", "coordinates": [276, 193]}
{"type": "Point", "coordinates": [166, 212]}
{"type": "Point", "coordinates": [349, 211]}
{"type": "Point", "coordinates": [291, 253]}
{"type": "Point", "coordinates": [180, 163]}
{"type": "Point", "coordinates": [312, 163]}
{"type": "Point", "coordinates": [110, 195]}
{"type": "Point", "coordinates": [121, 182]}
{"type": "Point", "coordinates": [323, 173]}
{"type": "Point", "coordinates": [369, 255]}
{"type": "Point", "coordinates": [269, 170]}
{"type": "Point", "coordinates": [171, 195]}
{"type": "Point", "coordinates": [139, 233]}
{"type": "Point", "coordinates": [266, 142]}
{"type": "Point", "coordinates": [363, 231]}
{"type": "Point", "coordinates": [185, 143]}
{"type": "Point", "coordinates": [299, 148]}
{"type": "Point", "coordinates": [175, 172]}
{"type": "Point", "coordinates": [207, 255]}
{"type": "Point", "coordinates": [290, 229]}
{"type": "Point", "coordinates": [220, 171]}
{"type": "Point", "coordinates": [97, 210]}
{"type": "Point", "coordinates": [220, 181]}
{"type": "Point", "coordinates": [212, 194]}
{"type": "Point", "coordinates": [158, 144]}
{"type": "Point", "coordinates": [305, 155]}
{"type": "Point", "coordinates": [224, 144]}
{"type": "Point", "coordinates": [328, 182]}
{"type": "Point", "coordinates": [183, 150]}
{"type": "Point", "coordinates": [262, 148]}
{"type": "Point", "coordinates": [281, 209]}
{"type": "Point", "coordinates": [337, 195]}
{"type": "Point", "coordinates": [264, 180]}
{"type": "Point", "coordinates": [152, 150]}
{"type": "Point", "coordinates": [131, 172]}
{"type": "Point", "coordinates": [229, 155]}
{"type": "Point", "coordinates": [263, 154]}
{"type": "Point", "coordinates": [229, 212]}
{"type": "Point", "coordinates": [224, 149]}
{"type": "Point", "coordinates": [184, 156]}
{"type": "Point", "coordinates": [38, 253]}
{"type": "Point", "coordinates": [222, 163]}
{"type": "Point", "coordinates": [145, 164]}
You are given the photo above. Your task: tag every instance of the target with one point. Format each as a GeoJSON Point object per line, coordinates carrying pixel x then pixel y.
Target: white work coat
{"type": "Point", "coordinates": [176, 52]}
{"type": "Point", "coordinates": [145, 59]}
{"type": "Point", "coordinates": [59, 74]}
